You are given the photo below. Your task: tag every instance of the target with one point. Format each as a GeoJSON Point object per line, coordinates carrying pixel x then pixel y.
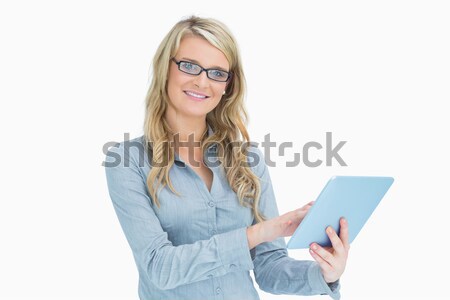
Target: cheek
{"type": "Point", "coordinates": [174, 85]}
{"type": "Point", "coordinates": [218, 91]}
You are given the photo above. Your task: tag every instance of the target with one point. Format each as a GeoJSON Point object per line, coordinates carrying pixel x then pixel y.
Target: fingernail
{"type": "Point", "coordinates": [314, 246]}
{"type": "Point", "coordinates": [329, 230]}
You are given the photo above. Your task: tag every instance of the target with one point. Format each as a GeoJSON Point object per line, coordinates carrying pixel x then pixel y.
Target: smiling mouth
{"type": "Point", "coordinates": [197, 96]}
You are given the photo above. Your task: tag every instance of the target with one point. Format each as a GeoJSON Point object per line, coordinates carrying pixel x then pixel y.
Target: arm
{"type": "Point", "coordinates": [276, 272]}
{"type": "Point", "coordinates": [165, 265]}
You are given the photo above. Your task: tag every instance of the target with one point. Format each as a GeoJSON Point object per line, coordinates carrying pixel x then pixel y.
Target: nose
{"type": "Point", "coordinates": [201, 80]}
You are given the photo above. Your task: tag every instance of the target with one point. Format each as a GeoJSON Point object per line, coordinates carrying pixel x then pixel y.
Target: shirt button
{"type": "Point", "coordinates": [210, 203]}
{"type": "Point", "coordinates": [232, 266]}
{"type": "Point", "coordinates": [218, 290]}
{"type": "Point", "coordinates": [213, 232]}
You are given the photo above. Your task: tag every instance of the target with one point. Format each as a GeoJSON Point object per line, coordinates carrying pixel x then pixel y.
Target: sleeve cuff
{"type": "Point", "coordinates": [318, 284]}
{"type": "Point", "coordinates": [233, 250]}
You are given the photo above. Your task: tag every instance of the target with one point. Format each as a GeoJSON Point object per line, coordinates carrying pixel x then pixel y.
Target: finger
{"type": "Point", "coordinates": [344, 234]}
{"type": "Point", "coordinates": [329, 249]}
{"type": "Point", "coordinates": [324, 254]}
{"type": "Point", "coordinates": [300, 213]}
{"type": "Point", "coordinates": [297, 215]}
{"type": "Point", "coordinates": [305, 207]}
{"type": "Point", "coordinates": [335, 241]}
{"type": "Point", "coordinates": [324, 265]}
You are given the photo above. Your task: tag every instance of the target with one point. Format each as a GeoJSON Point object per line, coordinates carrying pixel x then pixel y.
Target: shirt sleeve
{"type": "Point", "coordinates": [276, 272]}
{"type": "Point", "coordinates": [165, 265]}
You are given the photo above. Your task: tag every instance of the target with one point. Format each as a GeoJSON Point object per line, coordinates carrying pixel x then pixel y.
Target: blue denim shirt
{"type": "Point", "coordinates": [195, 245]}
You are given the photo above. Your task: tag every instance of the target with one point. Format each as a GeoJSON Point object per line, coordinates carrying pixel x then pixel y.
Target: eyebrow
{"type": "Point", "coordinates": [213, 67]}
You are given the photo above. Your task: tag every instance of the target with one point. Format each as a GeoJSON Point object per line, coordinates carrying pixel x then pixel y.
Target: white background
{"type": "Point", "coordinates": [74, 75]}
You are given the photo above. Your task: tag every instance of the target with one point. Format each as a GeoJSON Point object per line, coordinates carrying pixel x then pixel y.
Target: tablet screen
{"type": "Point", "coordinates": [352, 197]}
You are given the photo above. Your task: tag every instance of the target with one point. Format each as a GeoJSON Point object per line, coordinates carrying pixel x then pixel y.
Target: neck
{"type": "Point", "coordinates": [188, 129]}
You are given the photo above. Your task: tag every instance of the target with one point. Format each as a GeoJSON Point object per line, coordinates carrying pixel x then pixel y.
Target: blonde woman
{"type": "Point", "coordinates": [194, 197]}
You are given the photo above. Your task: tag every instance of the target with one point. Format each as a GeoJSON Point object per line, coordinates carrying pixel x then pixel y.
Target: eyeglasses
{"type": "Point", "coordinates": [194, 69]}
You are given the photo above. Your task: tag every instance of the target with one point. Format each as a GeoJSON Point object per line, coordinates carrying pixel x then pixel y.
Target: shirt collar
{"type": "Point", "coordinates": [211, 149]}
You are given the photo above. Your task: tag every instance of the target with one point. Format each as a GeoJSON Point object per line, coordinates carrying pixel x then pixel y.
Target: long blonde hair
{"type": "Point", "coordinates": [228, 119]}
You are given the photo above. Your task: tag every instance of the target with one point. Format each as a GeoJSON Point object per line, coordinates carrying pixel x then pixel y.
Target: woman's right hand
{"type": "Point", "coordinates": [284, 225]}
{"type": "Point", "coordinates": [281, 226]}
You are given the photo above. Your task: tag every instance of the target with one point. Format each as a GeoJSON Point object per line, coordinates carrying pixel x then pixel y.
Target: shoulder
{"type": "Point", "coordinates": [126, 153]}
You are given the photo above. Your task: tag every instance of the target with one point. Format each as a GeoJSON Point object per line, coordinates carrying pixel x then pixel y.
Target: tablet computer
{"type": "Point", "coordinates": [352, 197]}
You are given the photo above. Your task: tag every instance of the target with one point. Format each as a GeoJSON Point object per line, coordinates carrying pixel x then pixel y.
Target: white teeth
{"type": "Point", "coordinates": [195, 95]}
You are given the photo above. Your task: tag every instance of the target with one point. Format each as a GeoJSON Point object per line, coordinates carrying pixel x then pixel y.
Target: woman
{"type": "Point", "coordinates": [196, 211]}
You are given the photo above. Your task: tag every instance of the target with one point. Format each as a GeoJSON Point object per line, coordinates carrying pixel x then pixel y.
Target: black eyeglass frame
{"type": "Point", "coordinates": [230, 74]}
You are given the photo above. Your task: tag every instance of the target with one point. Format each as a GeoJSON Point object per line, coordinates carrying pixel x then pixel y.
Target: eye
{"type": "Point", "coordinates": [188, 65]}
{"type": "Point", "coordinates": [190, 68]}
{"type": "Point", "coordinates": [218, 73]}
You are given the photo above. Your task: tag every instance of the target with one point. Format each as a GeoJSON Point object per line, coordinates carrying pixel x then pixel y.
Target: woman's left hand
{"type": "Point", "coordinates": [332, 260]}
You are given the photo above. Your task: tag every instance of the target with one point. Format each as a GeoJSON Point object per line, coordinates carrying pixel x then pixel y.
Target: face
{"type": "Point", "coordinates": [182, 86]}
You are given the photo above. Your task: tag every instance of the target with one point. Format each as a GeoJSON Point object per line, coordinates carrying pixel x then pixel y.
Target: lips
{"type": "Point", "coordinates": [196, 95]}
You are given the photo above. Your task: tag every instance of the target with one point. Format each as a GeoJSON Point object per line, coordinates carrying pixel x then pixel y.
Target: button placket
{"type": "Point", "coordinates": [216, 286]}
{"type": "Point", "coordinates": [212, 213]}
{"type": "Point", "coordinates": [209, 196]}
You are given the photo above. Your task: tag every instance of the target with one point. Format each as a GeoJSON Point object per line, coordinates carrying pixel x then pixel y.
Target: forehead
{"type": "Point", "coordinates": [201, 50]}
